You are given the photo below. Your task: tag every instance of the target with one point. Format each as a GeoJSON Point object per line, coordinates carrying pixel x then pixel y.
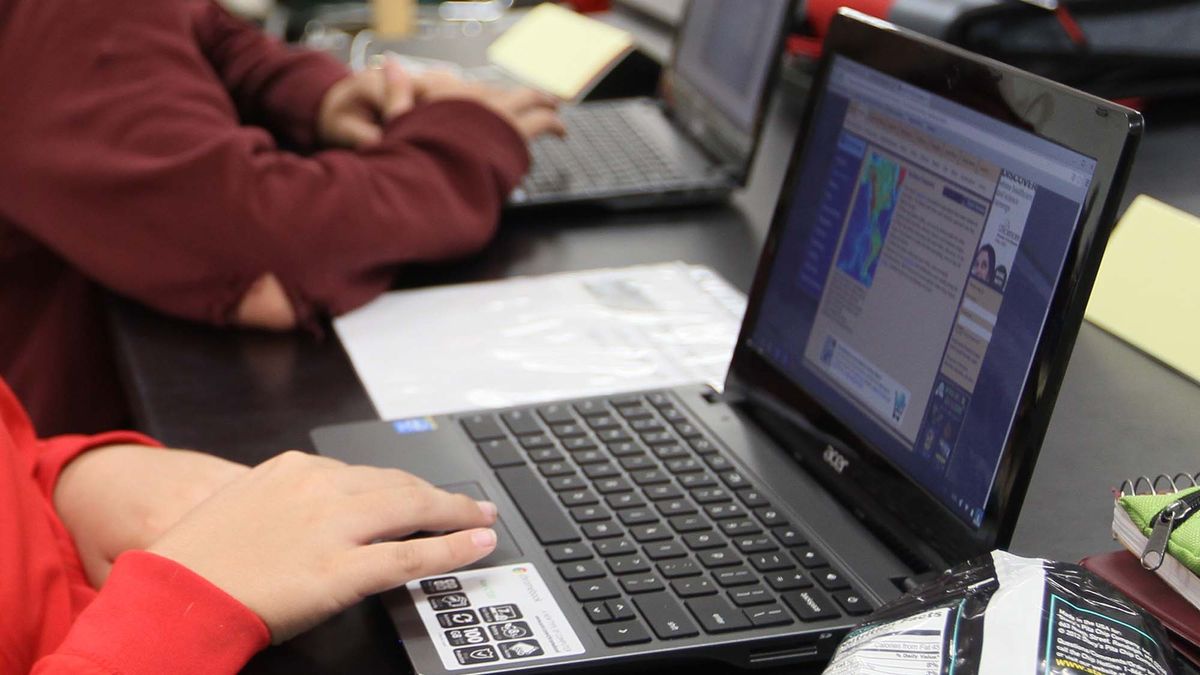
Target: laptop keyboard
{"type": "Point", "coordinates": [655, 530]}
{"type": "Point", "coordinates": [603, 151]}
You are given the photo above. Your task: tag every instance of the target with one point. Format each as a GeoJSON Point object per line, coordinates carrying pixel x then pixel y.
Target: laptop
{"type": "Point", "coordinates": [914, 309]}
{"type": "Point", "coordinates": [694, 143]}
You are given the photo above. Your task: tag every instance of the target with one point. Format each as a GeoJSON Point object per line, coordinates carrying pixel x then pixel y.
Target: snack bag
{"type": "Point", "coordinates": [1007, 615]}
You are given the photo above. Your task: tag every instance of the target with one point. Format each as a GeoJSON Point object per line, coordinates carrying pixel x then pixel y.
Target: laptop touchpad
{"type": "Point", "coordinates": [507, 550]}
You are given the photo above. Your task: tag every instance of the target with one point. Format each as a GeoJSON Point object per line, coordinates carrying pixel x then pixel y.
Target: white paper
{"type": "Point", "coordinates": [534, 339]}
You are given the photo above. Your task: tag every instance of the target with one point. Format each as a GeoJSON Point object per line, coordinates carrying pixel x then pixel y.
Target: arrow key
{"type": "Point", "coordinates": [624, 633]}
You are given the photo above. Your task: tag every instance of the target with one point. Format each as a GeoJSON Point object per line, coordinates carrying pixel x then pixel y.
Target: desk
{"type": "Point", "coordinates": [247, 396]}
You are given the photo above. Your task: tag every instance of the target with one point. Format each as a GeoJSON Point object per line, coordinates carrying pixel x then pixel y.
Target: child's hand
{"type": "Point", "coordinates": [122, 497]}
{"type": "Point", "coordinates": [530, 112]}
{"type": "Point", "coordinates": [354, 110]}
{"type": "Point", "coordinates": [300, 537]}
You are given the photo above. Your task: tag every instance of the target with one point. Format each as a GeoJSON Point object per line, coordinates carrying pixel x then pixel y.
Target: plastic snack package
{"type": "Point", "coordinates": [1007, 615]}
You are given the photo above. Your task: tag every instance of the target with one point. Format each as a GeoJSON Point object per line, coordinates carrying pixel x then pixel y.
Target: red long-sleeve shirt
{"type": "Point", "coordinates": [139, 152]}
{"type": "Point", "coordinates": [52, 621]}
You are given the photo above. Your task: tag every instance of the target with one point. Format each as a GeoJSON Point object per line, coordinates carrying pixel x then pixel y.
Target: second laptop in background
{"type": "Point", "coordinates": [693, 143]}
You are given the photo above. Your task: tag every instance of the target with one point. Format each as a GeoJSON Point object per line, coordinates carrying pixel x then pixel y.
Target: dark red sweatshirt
{"type": "Point", "coordinates": [138, 151]}
{"type": "Point", "coordinates": [153, 616]}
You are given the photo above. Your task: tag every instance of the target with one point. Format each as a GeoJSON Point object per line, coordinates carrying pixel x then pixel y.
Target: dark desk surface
{"type": "Point", "coordinates": [247, 396]}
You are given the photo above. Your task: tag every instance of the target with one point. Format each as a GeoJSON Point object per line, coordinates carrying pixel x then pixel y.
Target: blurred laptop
{"type": "Point", "coordinates": [909, 325]}
{"type": "Point", "coordinates": [695, 142]}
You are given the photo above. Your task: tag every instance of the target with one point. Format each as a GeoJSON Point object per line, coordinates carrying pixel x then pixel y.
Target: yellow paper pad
{"type": "Point", "coordinates": [559, 51]}
{"type": "Point", "coordinates": [1145, 292]}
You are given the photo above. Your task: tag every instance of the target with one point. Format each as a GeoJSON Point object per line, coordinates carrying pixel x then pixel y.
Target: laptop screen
{"type": "Point", "coordinates": [914, 274]}
{"type": "Point", "coordinates": [726, 51]}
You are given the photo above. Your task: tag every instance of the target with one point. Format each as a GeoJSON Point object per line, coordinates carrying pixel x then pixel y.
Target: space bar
{"type": "Point", "coordinates": [542, 513]}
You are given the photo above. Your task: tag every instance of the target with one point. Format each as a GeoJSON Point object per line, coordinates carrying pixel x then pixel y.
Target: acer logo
{"type": "Point", "coordinates": [835, 459]}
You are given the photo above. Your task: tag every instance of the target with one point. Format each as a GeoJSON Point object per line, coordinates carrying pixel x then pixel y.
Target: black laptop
{"type": "Point", "coordinates": [695, 142]}
{"type": "Point", "coordinates": [909, 325]}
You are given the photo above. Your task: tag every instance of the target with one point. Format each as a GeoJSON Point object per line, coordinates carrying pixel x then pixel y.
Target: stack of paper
{"type": "Point", "coordinates": [533, 339]}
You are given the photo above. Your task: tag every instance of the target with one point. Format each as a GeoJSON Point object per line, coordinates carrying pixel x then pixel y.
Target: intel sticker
{"type": "Point", "coordinates": [414, 425]}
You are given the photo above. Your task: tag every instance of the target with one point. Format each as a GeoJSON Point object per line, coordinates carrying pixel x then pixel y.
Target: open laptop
{"type": "Point", "coordinates": [695, 143]}
{"type": "Point", "coordinates": [909, 325]}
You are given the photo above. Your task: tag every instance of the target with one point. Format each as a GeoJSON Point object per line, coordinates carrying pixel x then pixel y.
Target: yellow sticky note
{"type": "Point", "coordinates": [394, 18]}
{"type": "Point", "coordinates": [1145, 292]}
{"type": "Point", "coordinates": [559, 51]}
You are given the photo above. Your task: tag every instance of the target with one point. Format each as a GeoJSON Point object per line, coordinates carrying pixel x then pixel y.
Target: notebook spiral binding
{"type": "Point", "coordinates": [1161, 484]}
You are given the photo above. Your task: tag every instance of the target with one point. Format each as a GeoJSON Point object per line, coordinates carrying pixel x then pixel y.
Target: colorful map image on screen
{"type": "Point", "coordinates": [870, 215]}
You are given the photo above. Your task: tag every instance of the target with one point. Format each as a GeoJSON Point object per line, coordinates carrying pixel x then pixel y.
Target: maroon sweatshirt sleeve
{"type": "Point", "coordinates": [275, 86]}
{"type": "Point", "coordinates": [155, 616]}
{"type": "Point", "coordinates": [133, 165]}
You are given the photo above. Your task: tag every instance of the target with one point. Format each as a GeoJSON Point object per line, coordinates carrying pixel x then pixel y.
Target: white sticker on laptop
{"type": "Point", "coordinates": [493, 616]}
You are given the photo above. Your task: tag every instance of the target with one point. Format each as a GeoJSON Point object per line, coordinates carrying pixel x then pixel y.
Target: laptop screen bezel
{"type": "Point", "coordinates": [706, 124]}
{"type": "Point", "coordinates": [858, 473]}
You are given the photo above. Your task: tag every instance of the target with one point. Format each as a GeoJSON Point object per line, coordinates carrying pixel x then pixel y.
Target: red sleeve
{"type": "Point", "coordinates": [130, 163]}
{"type": "Point", "coordinates": [155, 616]}
{"type": "Point", "coordinates": [275, 86]}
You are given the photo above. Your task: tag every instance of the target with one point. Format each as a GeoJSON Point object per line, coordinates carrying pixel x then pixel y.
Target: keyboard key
{"type": "Point", "coordinates": [789, 536]}
{"type": "Point", "coordinates": [634, 412]}
{"type": "Point", "coordinates": [623, 500]}
{"type": "Point", "coordinates": [611, 547]}
{"type": "Point", "coordinates": [691, 587]}
{"type": "Point", "coordinates": [601, 422]}
{"type": "Point", "coordinates": [698, 541]}
{"type": "Point", "coordinates": [687, 430]}
{"type": "Point", "coordinates": [610, 485]}
{"type": "Point", "coordinates": [597, 612]}
{"type": "Point", "coordinates": [718, 557]}
{"type": "Point", "coordinates": [830, 580]}
{"type": "Point", "coordinates": [746, 596]}
{"type": "Point", "coordinates": [521, 422]}
{"type": "Point", "coordinates": [615, 436]}
{"type": "Point", "coordinates": [628, 564]}
{"type": "Point", "coordinates": [641, 583]}
{"type": "Point", "coordinates": [552, 469]}
{"type": "Point", "coordinates": [542, 455]}
{"type": "Point", "coordinates": [696, 523]}
{"type": "Point", "coordinates": [670, 451]}
{"type": "Point", "coordinates": [625, 400]}
{"type": "Point", "coordinates": [713, 495]}
{"type": "Point", "coordinates": [771, 562]}
{"type": "Point", "coordinates": [789, 580]}
{"type": "Point", "coordinates": [717, 615]}
{"type": "Point", "coordinates": [663, 550]}
{"type": "Point", "coordinates": [811, 605]}
{"type": "Point", "coordinates": [735, 576]}
{"type": "Point", "coordinates": [660, 399]}
{"type": "Point", "coordinates": [500, 452]}
{"type": "Point", "coordinates": [568, 552]}
{"type": "Point", "coordinates": [594, 589]}
{"type": "Point", "coordinates": [740, 527]}
{"type": "Point", "coordinates": [589, 514]}
{"type": "Point", "coordinates": [672, 414]}
{"type": "Point", "coordinates": [598, 471]}
{"type": "Point", "coordinates": [660, 492]}
{"type": "Point", "coordinates": [657, 438]}
{"type": "Point", "coordinates": [624, 633]}
{"type": "Point", "coordinates": [482, 427]}
{"type": "Point", "coordinates": [636, 462]}
{"type": "Point", "coordinates": [852, 603]}
{"type": "Point", "coordinates": [619, 609]}
{"type": "Point", "coordinates": [556, 413]}
{"type": "Point", "coordinates": [674, 569]}
{"type": "Point", "coordinates": [809, 557]}
{"type": "Point", "coordinates": [648, 533]}
{"type": "Point", "coordinates": [638, 516]}
{"type": "Point", "coordinates": [697, 480]}
{"type": "Point", "coordinates": [536, 441]}
{"type": "Point", "coordinates": [723, 511]}
{"type": "Point", "coordinates": [624, 449]}
{"type": "Point", "coordinates": [591, 407]}
{"type": "Point", "coordinates": [753, 499]}
{"type": "Point", "coordinates": [755, 544]}
{"type": "Point", "coordinates": [718, 463]}
{"type": "Point", "coordinates": [702, 445]}
{"type": "Point", "coordinates": [567, 430]}
{"type": "Point", "coordinates": [576, 571]}
{"type": "Point", "coordinates": [578, 498]}
{"type": "Point", "coordinates": [684, 465]}
{"type": "Point", "coordinates": [601, 530]}
{"type": "Point", "coordinates": [735, 480]}
{"type": "Point", "coordinates": [649, 477]}
{"type": "Point", "coordinates": [675, 507]}
{"type": "Point", "coordinates": [647, 424]}
{"type": "Point", "coordinates": [770, 517]}
{"type": "Point", "coordinates": [543, 515]}
{"type": "Point", "coordinates": [666, 616]}
{"type": "Point", "coordinates": [580, 443]}
{"type": "Point", "coordinates": [768, 615]}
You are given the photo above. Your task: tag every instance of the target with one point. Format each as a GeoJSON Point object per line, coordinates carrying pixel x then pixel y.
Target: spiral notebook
{"type": "Point", "coordinates": [1173, 545]}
